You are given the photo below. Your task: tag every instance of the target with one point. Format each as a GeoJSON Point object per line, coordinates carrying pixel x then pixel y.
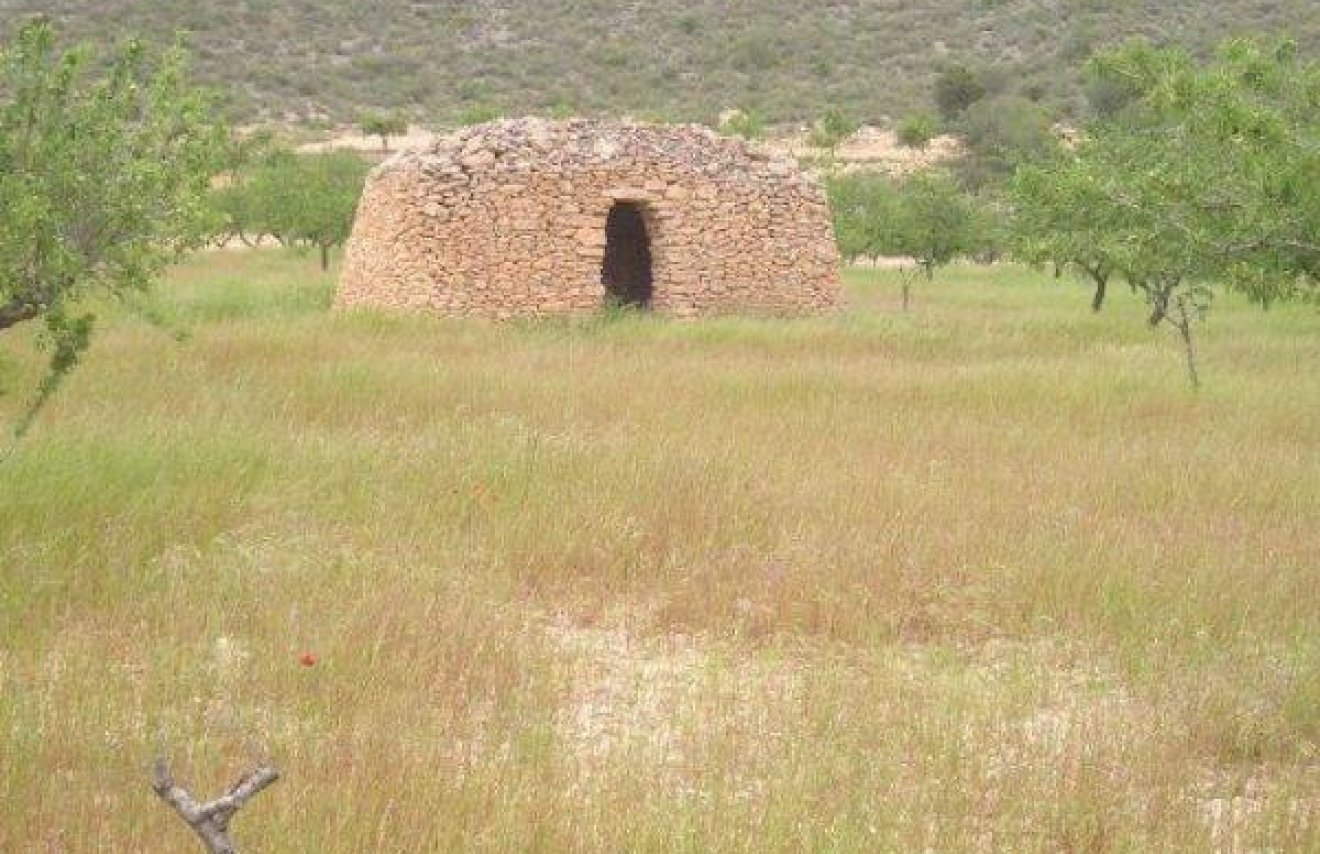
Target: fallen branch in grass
{"type": "Point", "coordinates": [210, 821]}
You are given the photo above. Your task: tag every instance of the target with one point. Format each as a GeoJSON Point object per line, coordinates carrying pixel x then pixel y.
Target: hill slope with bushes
{"type": "Point", "coordinates": [331, 59]}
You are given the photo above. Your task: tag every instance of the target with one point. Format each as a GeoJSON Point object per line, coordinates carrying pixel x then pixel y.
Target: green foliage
{"type": "Point", "coordinates": [236, 216]}
{"type": "Point", "coordinates": [918, 129]}
{"type": "Point", "coordinates": [477, 114]}
{"type": "Point", "coordinates": [832, 128]}
{"type": "Point", "coordinates": [1003, 133]}
{"type": "Point", "coordinates": [1060, 217]}
{"type": "Point", "coordinates": [67, 338]}
{"type": "Point", "coordinates": [384, 126]}
{"type": "Point", "coordinates": [957, 87]}
{"type": "Point", "coordinates": [865, 208]}
{"type": "Point", "coordinates": [937, 221]}
{"type": "Point", "coordinates": [244, 147]}
{"type": "Point", "coordinates": [1238, 140]}
{"type": "Point", "coordinates": [307, 200]}
{"type": "Point", "coordinates": [561, 110]}
{"type": "Point", "coordinates": [1109, 91]}
{"type": "Point", "coordinates": [748, 124]}
{"type": "Point", "coordinates": [236, 211]}
{"type": "Point", "coordinates": [927, 217]}
{"type": "Point", "coordinates": [1209, 175]}
{"type": "Point", "coordinates": [104, 166]}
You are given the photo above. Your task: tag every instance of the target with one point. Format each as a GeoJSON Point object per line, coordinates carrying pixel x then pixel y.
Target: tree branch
{"type": "Point", "coordinates": [210, 821]}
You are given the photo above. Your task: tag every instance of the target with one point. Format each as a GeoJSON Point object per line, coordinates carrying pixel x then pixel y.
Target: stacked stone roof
{"type": "Point", "coordinates": [541, 144]}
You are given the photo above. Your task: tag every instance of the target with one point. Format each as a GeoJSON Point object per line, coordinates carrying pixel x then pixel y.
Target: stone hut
{"type": "Point", "coordinates": [530, 216]}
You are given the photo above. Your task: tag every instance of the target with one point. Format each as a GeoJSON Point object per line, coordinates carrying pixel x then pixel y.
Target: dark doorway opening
{"type": "Point", "coordinates": [626, 270]}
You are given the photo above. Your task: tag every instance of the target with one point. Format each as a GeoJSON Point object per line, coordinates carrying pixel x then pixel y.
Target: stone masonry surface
{"type": "Point", "coordinates": [509, 219]}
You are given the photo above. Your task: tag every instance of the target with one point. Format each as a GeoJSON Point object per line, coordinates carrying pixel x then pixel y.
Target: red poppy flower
{"type": "Point", "coordinates": [307, 659]}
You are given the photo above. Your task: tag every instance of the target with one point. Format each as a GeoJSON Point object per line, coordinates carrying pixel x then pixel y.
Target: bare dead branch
{"type": "Point", "coordinates": [210, 821]}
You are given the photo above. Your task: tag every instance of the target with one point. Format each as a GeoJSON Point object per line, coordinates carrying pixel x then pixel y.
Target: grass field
{"type": "Point", "coordinates": [985, 576]}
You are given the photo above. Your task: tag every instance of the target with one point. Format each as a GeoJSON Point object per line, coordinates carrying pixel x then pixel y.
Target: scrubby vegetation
{"type": "Point", "coordinates": [781, 58]}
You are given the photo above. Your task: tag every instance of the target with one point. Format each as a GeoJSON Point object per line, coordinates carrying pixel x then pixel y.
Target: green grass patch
{"type": "Point", "coordinates": [983, 575]}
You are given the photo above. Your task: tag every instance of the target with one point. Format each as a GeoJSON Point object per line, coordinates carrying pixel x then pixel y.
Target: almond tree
{"type": "Point", "coordinates": [1059, 218]}
{"type": "Point", "coordinates": [309, 200]}
{"type": "Point", "coordinates": [937, 222]}
{"type": "Point", "coordinates": [1207, 176]}
{"type": "Point", "coordinates": [103, 176]}
{"type": "Point", "coordinates": [383, 126]}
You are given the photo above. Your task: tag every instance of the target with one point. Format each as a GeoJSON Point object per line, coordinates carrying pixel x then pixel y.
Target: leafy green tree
{"type": "Point", "coordinates": [918, 129]}
{"type": "Point", "coordinates": [244, 148]}
{"type": "Point", "coordinates": [1003, 133]}
{"type": "Point", "coordinates": [831, 129]}
{"type": "Point", "coordinates": [308, 200]}
{"type": "Point", "coordinates": [236, 214]}
{"type": "Point", "coordinates": [957, 87]}
{"type": "Point", "coordinates": [104, 168]}
{"type": "Point", "coordinates": [1210, 176]}
{"type": "Point", "coordinates": [865, 210]}
{"type": "Point", "coordinates": [1240, 140]}
{"type": "Point", "coordinates": [384, 126]}
{"type": "Point", "coordinates": [927, 217]}
{"type": "Point", "coordinates": [937, 221]}
{"type": "Point", "coordinates": [1061, 217]}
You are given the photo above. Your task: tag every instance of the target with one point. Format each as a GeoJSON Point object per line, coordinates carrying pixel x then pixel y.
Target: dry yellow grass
{"type": "Point", "coordinates": [983, 577]}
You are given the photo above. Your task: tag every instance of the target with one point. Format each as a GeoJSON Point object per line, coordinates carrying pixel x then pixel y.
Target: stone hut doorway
{"type": "Point", "coordinates": [626, 269]}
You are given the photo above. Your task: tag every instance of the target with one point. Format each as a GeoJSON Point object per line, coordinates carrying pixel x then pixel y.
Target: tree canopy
{"type": "Point", "coordinates": [383, 126]}
{"type": "Point", "coordinates": [305, 200]}
{"type": "Point", "coordinates": [865, 210]}
{"type": "Point", "coordinates": [1200, 174]}
{"type": "Point", "coordinates": [832, 128]}
{"type": "Point", "coordinates": [104, 168]}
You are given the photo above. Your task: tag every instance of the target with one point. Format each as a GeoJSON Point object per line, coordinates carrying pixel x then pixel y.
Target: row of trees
{"type": "Point", "coordinates": [305, 200]}
{"type": "Point", "coordinates": [1195, 176]}
{"type": "Point", "coordinates": [1192, 176]}
{"type": "Point", "coordinates": [927, 217]}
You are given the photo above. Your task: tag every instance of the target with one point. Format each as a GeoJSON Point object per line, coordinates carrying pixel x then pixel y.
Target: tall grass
{"type": "Point", "coordinates": [983, 576]}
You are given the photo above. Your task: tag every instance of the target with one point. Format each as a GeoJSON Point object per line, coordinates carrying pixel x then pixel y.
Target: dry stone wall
{"type": "Point", "coordinates": [509, 218]}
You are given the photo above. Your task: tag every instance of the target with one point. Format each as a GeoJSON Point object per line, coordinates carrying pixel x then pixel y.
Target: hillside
{"type": "Point", "coordinates": [329, 59]}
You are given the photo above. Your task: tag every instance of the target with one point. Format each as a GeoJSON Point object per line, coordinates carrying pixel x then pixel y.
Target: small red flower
{"type": "Point", "coordinates": [307, 659]}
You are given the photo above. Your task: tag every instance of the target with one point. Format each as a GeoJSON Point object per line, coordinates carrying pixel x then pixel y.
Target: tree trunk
{"type": "Point", "coordinates": [1101, 282]}
{"type": "Point", "coordinates": [1158, 294]}
{"type": "Point", "coordinates": [1184, 325]}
